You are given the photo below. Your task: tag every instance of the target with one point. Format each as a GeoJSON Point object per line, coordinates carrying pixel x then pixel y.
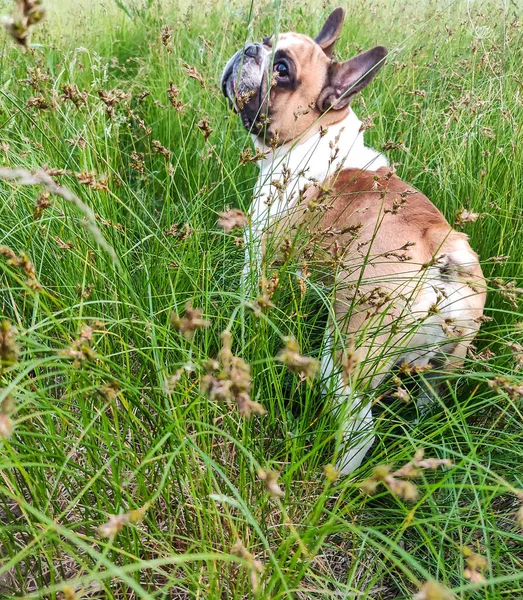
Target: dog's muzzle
{"type": "Point", "coordinates": [244, 83]}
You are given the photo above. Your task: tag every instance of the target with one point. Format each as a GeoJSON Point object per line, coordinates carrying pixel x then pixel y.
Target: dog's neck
{"type": "Point", "coordinates": [289, 169]}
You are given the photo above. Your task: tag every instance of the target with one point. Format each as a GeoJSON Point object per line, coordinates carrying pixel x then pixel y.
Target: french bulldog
{"type": "Point", "coordinates": [408, 289]}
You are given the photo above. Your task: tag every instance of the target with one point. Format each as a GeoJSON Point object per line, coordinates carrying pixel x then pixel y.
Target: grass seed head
{"type": "Point", "coordinates": [243, 98]}
{"type": "Point", "coordinates": [502, 384]}
{"type": "Point", "coordinates": [507, 290]}
{"type": "Point", "coordinates": [403, 489]}
{"type": "Point", "coordinates": [71, 92]}
{"type": "Point", "coordinates": [465, 216]}
{"type": "Point", "coordinates": [475, 565]}
{"type": "Point", "coordinates": [24, 263]}
{"type": "Point", "coordinates": [367, 123]}
{"type": "Point", "coordinates": [42, 203]}
{"type": "Point", "coordinates": [193, 73]}
{"type": "Point", "coordinates": [81, 349]}
{"type": "Point", "coordinates": [392, 145]}
{"type": "Point", "coordinates": [205, 127]}
{"type": "Point", "coordinates": [432, 590]}
{"type": "Point", "coordinates": [138, 162]}
{"type": "Point", "coordinates": [381, 472]}
{"type": "Point", "coordinates": [215, 388]}
{"type": "Point", "coordinates": [407, 370]}
{"type": "Point", "coordinates": [247, 407]}
{"type": "Point", "coordinates": [270, 479]}
{"type": "Point", "coordinates": [296, 363]}
{"type": "Point", "coordinates": [167, 37]}
{"type": "Point", "coordinates": [349, 362]}
{"type": "Point", "coordinates": [498, 259]}
{"type": "Point", "coordinates": [232, 218]}
{"type": "Point", "coordinates": [331, 473]}
{"type": "Point", "coordinates": [179, 231]}
{"type": "Point", "coordinates": [110, 391]}
{"type": "Point", "coordinates": [302, 278]}
{"type": "Point", "coordinates": [247, 156]}
{"type": "Point", "coordinates": [255, 566]}
{"type": "Point", "coordinates": [6, 426]}
{"type": "Point", "coordinates": [39, 102]}
{"type": "Point", "coordinates": [519, 514]}
{"type": "Point", "coordinates": [9, 349]}
{"type": "Point", "coordinates": [116, 523]}
{"type": "Point", "coordinates": [171, 383]}
{"type": "Point", "coordinates": [159, 149]}
{"type": "Point", "coordinates": [263, 300]}
{"type": "Point", "coordinates": [262, 304]}
{"type": "Point", "coordinates": [190, 323]}
{"type": "Point", "coordinates": [69, 593]}
{"type": "Point", "coordinates": [30, 13]}
{"type": "Point", "coordinates": [402, 394]}
{"type": "Point", "coordinates": [229, 379]}
{"type": "Point", "coordinates": [517, 352]}
{"type": "Point", "coordinates": [111, 99]}
{"type": "Point", "coordinates": [137, 515]}
{"type": "Point", "coordinates": [7, 405]}
{"type": "Point", "coordinates": [17, 29]}
{"type": "Point", "coordinates": [113, 526]}
{"type": "Point", "coordinates": [398, 481]}
{"type": "Point", "coordinates": [34, 10]}
{"type": "Point", "coordinates": [369, 486]}
{"type": "Point", "coordinates": [172, 94]}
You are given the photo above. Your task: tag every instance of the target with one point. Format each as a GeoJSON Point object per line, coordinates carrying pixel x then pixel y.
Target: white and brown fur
{"type": "Point", "coordinates": [408, 288]}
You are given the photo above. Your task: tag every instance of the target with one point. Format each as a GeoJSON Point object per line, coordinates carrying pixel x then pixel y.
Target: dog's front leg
{"type": "Point", "coordinates": [355, 418]}
{"type": "Point", "coordinates": [353, 413]}
{"type": "Point", "coordinates": [252, 263]}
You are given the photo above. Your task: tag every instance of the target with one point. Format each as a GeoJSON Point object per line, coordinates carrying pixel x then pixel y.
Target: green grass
{"type": "Point", "coordinates": [105, 436]}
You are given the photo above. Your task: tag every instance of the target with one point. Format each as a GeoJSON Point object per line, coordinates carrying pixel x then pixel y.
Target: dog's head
{"type": "Point", "coordinates": [281, 87]}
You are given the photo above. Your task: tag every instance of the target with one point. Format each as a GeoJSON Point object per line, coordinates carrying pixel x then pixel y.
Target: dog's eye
{"type": "Point", "coordinates": [281, 69]}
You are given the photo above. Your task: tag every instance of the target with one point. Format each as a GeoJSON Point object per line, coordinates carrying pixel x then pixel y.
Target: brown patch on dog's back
{"type": "Point", "coordinates": [388, 247]}
{"type": "Point", "coordinates": [405, 215]}
{"type": "Point", "coordinates": [379, 223]}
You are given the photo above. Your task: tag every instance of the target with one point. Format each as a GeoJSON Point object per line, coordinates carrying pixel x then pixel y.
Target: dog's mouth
{"type": "Point", "coordinates": [247, 123]}
{"type": "Point", "coordinates": [244, 85]}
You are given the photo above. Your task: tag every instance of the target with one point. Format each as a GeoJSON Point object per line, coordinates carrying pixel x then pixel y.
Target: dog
{"type": "Point", "coordinates": [409, 291]}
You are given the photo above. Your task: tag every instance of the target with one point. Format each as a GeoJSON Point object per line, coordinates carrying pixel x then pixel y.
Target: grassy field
{"type": "Point", "coordinates": [102, 410]}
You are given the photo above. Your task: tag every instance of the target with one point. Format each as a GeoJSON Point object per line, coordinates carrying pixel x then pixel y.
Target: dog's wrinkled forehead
{"type": "Point", "coordinates": [301, 47]}
{"type": "Point", "coordinates": [290, 39]}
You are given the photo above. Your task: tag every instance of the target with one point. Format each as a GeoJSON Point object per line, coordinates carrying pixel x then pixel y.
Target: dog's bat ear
{"type": "Point", "coordinates": [346, 79]}
{"type": "Point", "coordinates": [330, 31]}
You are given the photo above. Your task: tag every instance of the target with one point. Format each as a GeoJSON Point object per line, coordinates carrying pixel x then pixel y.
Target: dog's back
{"type": "Point", "coordinates": [405, 280]}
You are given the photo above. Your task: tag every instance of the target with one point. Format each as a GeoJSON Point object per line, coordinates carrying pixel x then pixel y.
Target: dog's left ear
{"type": "Point", "coordinates": [345, 79]}
{"type": "Point", "coordinates": [330, 31]}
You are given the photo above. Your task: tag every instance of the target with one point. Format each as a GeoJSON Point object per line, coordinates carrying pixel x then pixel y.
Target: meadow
{"type": "Point", "coordinates": [119, 476]}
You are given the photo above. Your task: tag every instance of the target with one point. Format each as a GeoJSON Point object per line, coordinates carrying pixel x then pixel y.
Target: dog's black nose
{"type": "Point", "coordinates": [252, 50]}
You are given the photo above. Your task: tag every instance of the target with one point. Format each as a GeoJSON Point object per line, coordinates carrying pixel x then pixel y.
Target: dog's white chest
{"type": "Point", "coordinates": [287, 171]}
